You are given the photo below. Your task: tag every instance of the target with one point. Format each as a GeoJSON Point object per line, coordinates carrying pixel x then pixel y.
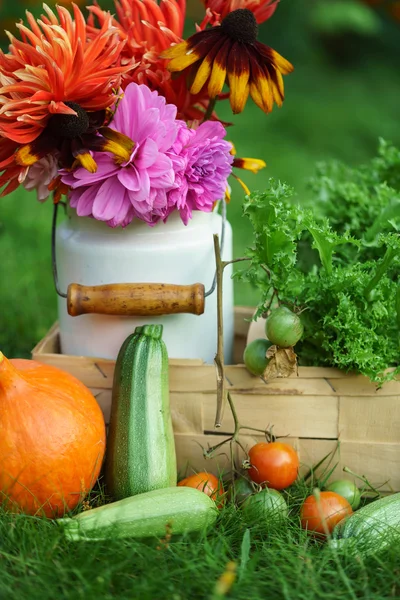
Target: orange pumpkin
{"type": "Point", "coordinates": [52, 438]}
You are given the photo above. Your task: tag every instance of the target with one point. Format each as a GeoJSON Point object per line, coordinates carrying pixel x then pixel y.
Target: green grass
{"type": "Point", "coordinates": [272, 561]}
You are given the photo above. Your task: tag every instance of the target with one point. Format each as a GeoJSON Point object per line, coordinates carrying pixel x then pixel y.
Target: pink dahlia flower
{"type": "Point", "coordinates": [117, 193]}
{"type": "Point", "coordinates": [171, 166]}
{"type": "Point", "coordinates": [40, 175]}
{"type": "Point", "coordinates": [202, 162]}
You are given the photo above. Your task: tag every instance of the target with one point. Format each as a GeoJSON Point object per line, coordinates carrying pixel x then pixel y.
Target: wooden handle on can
{"type": "Point", "coordinates": [135, 299]}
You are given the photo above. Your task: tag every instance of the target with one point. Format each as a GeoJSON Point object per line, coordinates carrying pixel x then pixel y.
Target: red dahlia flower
{"type": "Point", "coordinates": [149, 28]}
{"type": "Point", "coordinates": [218, 9]}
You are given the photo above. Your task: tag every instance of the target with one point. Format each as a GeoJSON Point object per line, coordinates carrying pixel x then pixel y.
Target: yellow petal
{"type": "Point", "coordinates": [280, 84]}
{"type": "Point", "coordinates": [87, 161]}
{"type": "Point", "coordinates": [250, 164]}
{"type": "Point", "coordinates": [276, 84]}
{"type": "Point", "coordinates": [117, 143]}
{"type": "Point", "coordinates": [183, 61]}
{"type": "Point", "coordinates": [203, 73]}
{"type": "Point", "coordinates": [218, 73]}
{"type": "Point", "coordinates": [284, 66]}
{"type": "Point", "coordinates": [175, 51]}
{"type": "Point", "coordinates": [217, 79]}
{"type": "Point", "coordinates": [25, 156]}
{"type": "Point", "coordinates": [260, 85]}
{"type": "Point", "coordinates": [277, 97]}
{"type": "Point", "coordinates": [238, 77]}
{"type": "Point", "coordinates": [262, 94]}
{"type": "Point", "coordinates": [242, 183]}
{"type": "Point", "coordinates": [239, 93]}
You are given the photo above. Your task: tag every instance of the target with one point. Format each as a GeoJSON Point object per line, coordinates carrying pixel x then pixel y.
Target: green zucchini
{"type": "Point", "coordinates": [179, 509]}
{"type": "Point", "coordinates": [371, 528]}
{"type": "Point", "coordinates": [140, 454]}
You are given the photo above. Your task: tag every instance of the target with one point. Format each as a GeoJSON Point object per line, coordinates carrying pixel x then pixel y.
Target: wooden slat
{"type": "Point", "coordinates": [240, 379]}
{"type": "Point", "coordinates": [357, 385]}
{"type": "Point", "coordinates": [312, 451]}
{"type": "Point", "coordinates": [187, 413]}
{"type": "Point", "coordinates": [249, 439]}
{"type": "Point", "coordinates": [94, 373]}
{"type": "Point", "coordinates": [378, 462]}
{"type": "Point", "coordinates": [308, 416]}
{"type": "Point", "coordinates": [103, 397]}
{"type": "Point", "coordinates": [194, 376]}
{"type": "Point", "coordinates": [186, 410]}
{"type": "Point", "coordinates": [369, 418]}
{"type": "Point", "coordinates": [50, 344]}
{"type": "Point", "coordinates": [190, 454]}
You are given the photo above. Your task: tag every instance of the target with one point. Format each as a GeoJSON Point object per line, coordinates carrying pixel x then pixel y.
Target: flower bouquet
{"type": "Point", "coordinates": [117, 114]}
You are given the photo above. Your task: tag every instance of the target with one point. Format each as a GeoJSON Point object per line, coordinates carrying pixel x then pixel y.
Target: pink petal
{"type": "Point", "coordinates": [129, 178]}
{"type": "Point", "coordinates": [108, 200]}
{"type": "Point", "coordinates": [161, 165]}
{"type": "Point", "coordinates": [143, 191]}
{"type": "Point", "coordinates": [166, 180]}
{"type": "Point", "coordinates": [147, 154]}
{"type": "Point", "coordinates": [83, 200]}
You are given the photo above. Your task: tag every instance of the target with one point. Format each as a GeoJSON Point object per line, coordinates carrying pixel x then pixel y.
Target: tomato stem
{"type": "Point", "coordinates": [225, 263]}
{"type": "Point", "coordinates": [363, 479]}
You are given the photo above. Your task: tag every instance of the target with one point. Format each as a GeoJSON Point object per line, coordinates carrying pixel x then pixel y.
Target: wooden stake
{"type": "Point", "coordinates": [219, 357]}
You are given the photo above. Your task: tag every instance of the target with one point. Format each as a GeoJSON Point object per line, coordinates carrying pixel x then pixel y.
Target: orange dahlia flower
{"type": "Point", "coordinates": [53, 64]}
{"type": "Point", "coordinates": [149, 28]}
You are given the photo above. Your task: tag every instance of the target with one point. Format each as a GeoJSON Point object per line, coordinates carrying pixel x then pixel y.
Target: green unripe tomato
{"type": "Point", "coordinates": [254, 356]}
{"type": "Point", "coordinates": [283, 327]}
{"type": "Point", "coordinates": [347, 489]}
{"type": "Point", "coordinates": [240, 490]}
{"type": "Point", "coordinates": [267, 505]}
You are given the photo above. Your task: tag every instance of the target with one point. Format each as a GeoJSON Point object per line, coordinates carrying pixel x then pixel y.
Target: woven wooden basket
{"type": "Point", "coordinates": [314, 410]}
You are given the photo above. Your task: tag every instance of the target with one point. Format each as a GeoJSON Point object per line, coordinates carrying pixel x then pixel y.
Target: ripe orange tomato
{"type": "Point", "coordinates": [274, 464]}
{"type": "Point", "coordinates": [319, 516]}
{"type": "Point", "coordinates": [207, 483]}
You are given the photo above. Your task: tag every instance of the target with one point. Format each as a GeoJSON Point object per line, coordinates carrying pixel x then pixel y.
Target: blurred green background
{"type": "Point", "coordinates": [343, 96]}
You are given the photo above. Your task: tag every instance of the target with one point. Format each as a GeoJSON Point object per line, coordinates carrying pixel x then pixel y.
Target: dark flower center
{"type": "Point", "coordinates": [241, 26]}
{"type": "Point", "coordinates": [69, 126]}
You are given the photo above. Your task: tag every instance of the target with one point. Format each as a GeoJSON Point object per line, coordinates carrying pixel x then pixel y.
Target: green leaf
{"type": "Point", "coordinates": [325, 240]}
{"type": "Point", "coordinates": [244, 553]}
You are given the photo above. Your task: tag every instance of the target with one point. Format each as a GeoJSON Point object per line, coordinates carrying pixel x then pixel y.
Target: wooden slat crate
{"type": "Point", "coordinates": [314, 410]}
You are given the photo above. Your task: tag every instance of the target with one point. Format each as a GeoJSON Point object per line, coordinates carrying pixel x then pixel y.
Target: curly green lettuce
{"type": "Point", "coordinates": [349, 304]}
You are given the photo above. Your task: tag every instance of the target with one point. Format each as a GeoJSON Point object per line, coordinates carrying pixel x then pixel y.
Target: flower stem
{"type": "Point", "coordinates": [210, 109]}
